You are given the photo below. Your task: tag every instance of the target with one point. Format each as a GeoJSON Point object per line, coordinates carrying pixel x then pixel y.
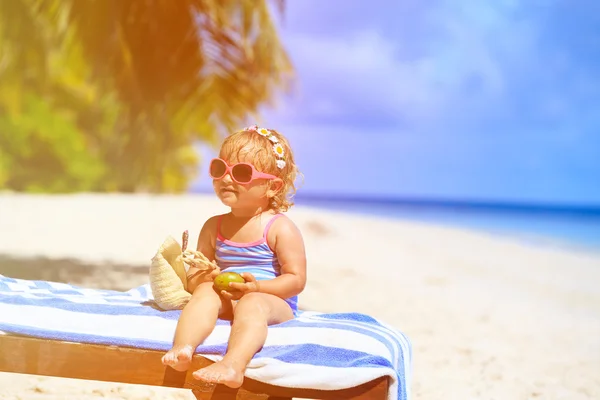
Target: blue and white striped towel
{"type": "Point", "coordinates": [315, 350]}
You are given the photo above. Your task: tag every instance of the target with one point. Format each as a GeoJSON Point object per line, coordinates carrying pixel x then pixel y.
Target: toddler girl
{"type": "Point", "coordinates": [253, 175]}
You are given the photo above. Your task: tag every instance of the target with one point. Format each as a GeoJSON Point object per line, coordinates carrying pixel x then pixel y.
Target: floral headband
{"type": "Point", "coordinates": [277, 147]}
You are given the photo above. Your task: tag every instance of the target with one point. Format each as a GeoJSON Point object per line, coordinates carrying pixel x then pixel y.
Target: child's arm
{"type": "Point", "coordinates": [195, 275]}
{"type": "Point", "coordinates": [290, 251]}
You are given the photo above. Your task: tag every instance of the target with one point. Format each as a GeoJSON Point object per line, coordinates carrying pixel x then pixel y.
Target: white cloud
{"type": "Point", "coordinates": [497, 98]}
{"type": "Point", "coordinates": [472, 61]}
{"type": "Point", "coordinates": [360, 73]}
{"type": "Point", "coordinates": [366, 73]}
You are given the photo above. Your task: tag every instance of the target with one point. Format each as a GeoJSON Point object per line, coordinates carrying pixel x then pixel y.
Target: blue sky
{"type": "Point", "coordinates": [444, 99]}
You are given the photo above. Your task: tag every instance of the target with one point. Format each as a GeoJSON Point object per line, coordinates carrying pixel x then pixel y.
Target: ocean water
{"type": "Point", "coordinates": [566, 227]}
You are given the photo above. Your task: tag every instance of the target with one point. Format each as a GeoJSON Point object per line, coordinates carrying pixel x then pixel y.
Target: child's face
{"type": "Point", "coordinates": [235, 195]}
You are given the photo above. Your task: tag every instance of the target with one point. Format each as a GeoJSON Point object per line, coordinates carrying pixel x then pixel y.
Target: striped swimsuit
{"type": "Point", "coordinates": [255, 257]}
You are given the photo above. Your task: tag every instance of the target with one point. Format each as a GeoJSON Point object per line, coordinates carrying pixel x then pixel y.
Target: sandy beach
{"type": "Point", "coordinates": [489, 317]}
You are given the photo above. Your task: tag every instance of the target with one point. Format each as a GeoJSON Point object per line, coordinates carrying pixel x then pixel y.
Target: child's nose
{"type": "Point", "coordinates": [227, 178]}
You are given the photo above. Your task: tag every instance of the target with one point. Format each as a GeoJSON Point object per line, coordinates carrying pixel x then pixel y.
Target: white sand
{"type": "Point", "coordinates": [490, 318]}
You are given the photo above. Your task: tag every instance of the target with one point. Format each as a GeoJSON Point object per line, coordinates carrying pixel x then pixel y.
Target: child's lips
{"type": "Point", "coordinates": [228, 190]}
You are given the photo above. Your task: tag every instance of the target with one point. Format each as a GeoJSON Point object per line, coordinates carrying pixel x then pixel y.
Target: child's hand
{"type": "Point", "coordinates": [251, 285]}
{"type": "Point", "coordinates": [202, 275]}
{"type": "Point", "coordinates": [211, 275]}
{"type": "Point", "coordinates": [198, 260]}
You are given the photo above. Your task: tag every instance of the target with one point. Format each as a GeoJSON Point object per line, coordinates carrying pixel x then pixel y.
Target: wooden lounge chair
{"type": "Point", "coordinates": [28, 355]}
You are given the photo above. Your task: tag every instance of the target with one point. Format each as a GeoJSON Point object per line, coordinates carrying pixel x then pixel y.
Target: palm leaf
{"type": "Point", "coordinates": [174, 72]}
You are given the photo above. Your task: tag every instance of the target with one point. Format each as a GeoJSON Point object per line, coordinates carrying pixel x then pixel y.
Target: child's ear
{"type": "Point", "coordinates": [275, 187]}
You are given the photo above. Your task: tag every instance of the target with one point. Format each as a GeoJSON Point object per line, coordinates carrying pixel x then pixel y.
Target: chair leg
{"type": "Point", "coordinates": [201, 395]}
{"type": "Point", "coordinates": [228, 394]}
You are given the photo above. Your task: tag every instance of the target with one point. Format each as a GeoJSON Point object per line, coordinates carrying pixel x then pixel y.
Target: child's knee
{"type": "Point", "coordinates": [205, 289]}
{"type": "Point", "coordinates": [252, 303]}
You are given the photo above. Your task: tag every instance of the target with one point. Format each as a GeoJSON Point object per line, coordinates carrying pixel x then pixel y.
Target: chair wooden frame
{"type": "Point", "coordinates": [29, 355]}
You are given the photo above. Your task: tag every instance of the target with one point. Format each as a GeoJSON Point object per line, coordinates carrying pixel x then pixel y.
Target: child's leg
{"type": "Point", "coordinates": [251, 317]}
{"type": "Point", "coordinates": [197, 321]}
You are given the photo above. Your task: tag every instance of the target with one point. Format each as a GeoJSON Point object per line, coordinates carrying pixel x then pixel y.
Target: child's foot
{"type": "Point", "coordinates": [179, 357]}
{"type": "Point", "coordinates": [220, 372]}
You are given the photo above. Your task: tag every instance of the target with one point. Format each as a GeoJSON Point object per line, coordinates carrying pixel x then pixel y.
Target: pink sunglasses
{"type": "Point", "coordinates": [242, 173]}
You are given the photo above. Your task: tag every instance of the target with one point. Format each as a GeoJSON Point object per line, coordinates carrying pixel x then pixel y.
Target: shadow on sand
{"type": "Point", "coordinates": [75, 272]}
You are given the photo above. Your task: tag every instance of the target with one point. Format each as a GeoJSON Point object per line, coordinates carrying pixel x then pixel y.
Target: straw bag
{"type": "Point", "coordinates": [168, 279]}
{"type": "Point", "coordinates": [167, 276]}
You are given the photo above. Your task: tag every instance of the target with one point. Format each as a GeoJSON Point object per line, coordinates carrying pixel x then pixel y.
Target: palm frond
{"type": "Point", "coordinates": [174, 71]}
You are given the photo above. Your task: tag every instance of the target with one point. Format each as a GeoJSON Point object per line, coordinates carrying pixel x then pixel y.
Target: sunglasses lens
{"type": "Point", "coordinates": [217, 169]}
{"type": "Point", "coordinates": [242, 173]}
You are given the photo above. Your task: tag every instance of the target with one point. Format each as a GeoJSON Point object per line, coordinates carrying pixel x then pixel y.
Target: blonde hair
{"type": "Point", "coordinates": [250, 145]}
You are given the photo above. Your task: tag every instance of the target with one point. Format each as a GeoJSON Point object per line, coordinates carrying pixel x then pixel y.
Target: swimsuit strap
{"type": "Point", "coordinates": [270, 223]}
{"type": "Point", "coordinates": [219, 218]}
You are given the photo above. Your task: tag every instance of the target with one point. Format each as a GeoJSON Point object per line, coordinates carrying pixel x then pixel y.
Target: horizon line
{"type": "Point", "coordinates": [443, 202]}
